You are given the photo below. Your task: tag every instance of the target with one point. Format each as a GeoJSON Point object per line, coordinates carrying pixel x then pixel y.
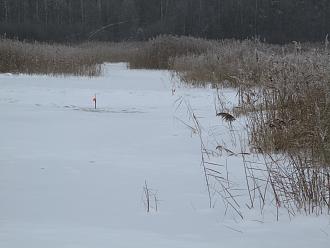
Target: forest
{"type": "Point", "coordinates": [274, 21]}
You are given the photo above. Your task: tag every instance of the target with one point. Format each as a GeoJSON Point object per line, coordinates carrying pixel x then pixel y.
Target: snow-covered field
{"type": "Point", "coordinates": [73, 177]}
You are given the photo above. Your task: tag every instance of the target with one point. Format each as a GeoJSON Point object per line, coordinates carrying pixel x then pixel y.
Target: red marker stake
{"type": "Point", "coordinates": [94, 100]}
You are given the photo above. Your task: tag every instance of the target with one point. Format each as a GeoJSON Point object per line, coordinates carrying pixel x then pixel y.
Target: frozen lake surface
{"type": "Point", "coordinates": [73, 177]}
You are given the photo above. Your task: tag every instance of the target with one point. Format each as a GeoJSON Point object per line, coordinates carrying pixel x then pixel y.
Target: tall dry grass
{"type": "Point", "coordinates": [40, 58]}
{"type": "Point", "coordinates": [292, 116]}
{"type": "Point", "coordinates": [284, 92]}
{"type": "Point", "coordinates": [59, 59]}
{"type": "Point", "coordinates": [160, 52]}
{"type": "Point", "coordinates": [227, 63]}
{"type": "Point", "coordinates": [113, 52]}
{"type": "Point", "coordinates": [86, 58]}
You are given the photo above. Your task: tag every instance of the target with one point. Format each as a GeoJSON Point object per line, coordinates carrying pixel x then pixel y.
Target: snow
{"type": "Point", "coordinates": [73, 177]}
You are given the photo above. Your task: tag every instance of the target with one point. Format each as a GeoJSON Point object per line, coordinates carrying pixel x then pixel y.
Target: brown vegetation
{"type": "Point", "coordinates": [39, 58]}
{"type": "Point", "coordinates": [284, 92]}
{"type": "Point", "coordinates": [55, 59]}
{"type": "Point", "coordinates": [160, 52]}
{"type": "Point", "coordinates": [285, 95]}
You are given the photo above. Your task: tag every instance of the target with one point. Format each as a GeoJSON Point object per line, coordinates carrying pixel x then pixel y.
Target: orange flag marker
{"type": "Point", "coordinates": [94, 100]}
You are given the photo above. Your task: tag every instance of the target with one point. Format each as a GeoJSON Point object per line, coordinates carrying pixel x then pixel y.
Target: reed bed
{"type": "Point", "coordinates": [160, 52]}
{"type": "Point", "coordinates": [40, 58]}
{"type": "Point", "coordinates": [284, 92]}
{"type": "Point", "coordinates": [61, 59]}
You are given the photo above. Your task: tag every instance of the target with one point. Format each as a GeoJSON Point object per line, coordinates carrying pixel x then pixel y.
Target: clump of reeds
{"type": "Point", "coordinates": [298, 183]}
{"type": "Point", "coordinates": [113, 52]}
{"type": "Point", "coordinates": [284, 92]}
{"type": "Point", "coordinates": [292, 112]}
{"type": "Point", "coordinates": [58, 59]}
{"type": "Point", "coordinates": [159, 52]}
{"type": "Point", "coordinates": [292, 117]}
{"type": "Point", "coordinates": [40, 58]}
{"type": "Point", "coordinates": [226, 63]}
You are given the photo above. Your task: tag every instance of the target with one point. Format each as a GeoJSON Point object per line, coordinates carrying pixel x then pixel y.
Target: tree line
{"type": "Point", "coordinates": [275, 21]}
